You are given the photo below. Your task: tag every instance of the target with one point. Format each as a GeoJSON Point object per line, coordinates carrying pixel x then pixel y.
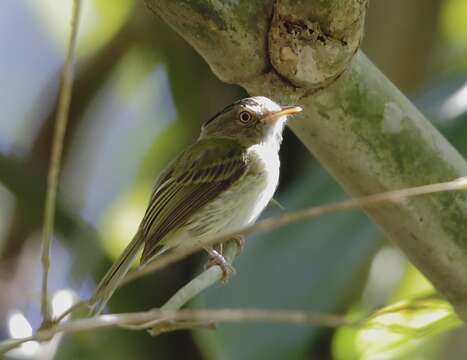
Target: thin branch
{"type": "Point", "coordinates": [79, 305]}
{"type": "Point", "coordinates": [269, 224]}
{"type": "Point", "coordinates": [11, 344]}
{"type": "Point", "coordinates": [55, 158]}
{"type": "Point", "coordinates": [128, 320]}
{"type": "Point", "coordinates": [204, 280]}
{"type": "Point", "coordinates": [204, 315]}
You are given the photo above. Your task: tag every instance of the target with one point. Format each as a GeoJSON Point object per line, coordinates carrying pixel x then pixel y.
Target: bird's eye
{"type": "Point", "coordinates": [245, 117]}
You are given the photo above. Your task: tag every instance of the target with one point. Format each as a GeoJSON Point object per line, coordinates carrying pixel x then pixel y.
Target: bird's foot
{"type": "Point", "coordinates": [218, 260]}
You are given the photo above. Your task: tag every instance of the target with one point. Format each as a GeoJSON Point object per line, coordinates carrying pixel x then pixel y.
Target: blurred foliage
{"type": "Point", "coordinates": [101, 19]}
{"type": "Point", "coordinates": [140, 95]}
{"type": "Point", "coordinates": [454, 21]}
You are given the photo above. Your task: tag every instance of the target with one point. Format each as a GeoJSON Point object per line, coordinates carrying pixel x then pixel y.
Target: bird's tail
{"type": "Point", "coordinates": [113, 277]}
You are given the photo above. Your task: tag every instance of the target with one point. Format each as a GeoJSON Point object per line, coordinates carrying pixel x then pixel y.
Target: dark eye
{"type": "Point", "coordinates": [245, 117]}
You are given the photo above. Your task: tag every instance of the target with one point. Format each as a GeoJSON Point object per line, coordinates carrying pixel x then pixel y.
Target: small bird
{"type": "Point", "coordinates": [218, 185]}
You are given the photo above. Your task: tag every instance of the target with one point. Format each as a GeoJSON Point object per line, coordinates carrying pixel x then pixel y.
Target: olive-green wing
{"type": "Point", "coordinates": [196, 177]}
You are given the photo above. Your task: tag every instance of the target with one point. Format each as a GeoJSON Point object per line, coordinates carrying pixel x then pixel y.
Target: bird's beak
{"type": "Point", "coordinates": [284, 111]}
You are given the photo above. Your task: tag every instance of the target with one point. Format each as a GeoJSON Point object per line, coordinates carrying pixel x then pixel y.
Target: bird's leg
{"type": "Point", "coordinates": [219, 248]}
{"type": "Point", "coordinates": [217, 259]}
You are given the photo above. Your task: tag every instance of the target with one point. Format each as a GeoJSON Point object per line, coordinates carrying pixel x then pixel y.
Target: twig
{"type": "Point", "coordinates": [79, 305]}
{"type": "Point", "coordinates": [126, 320]}
{"type": "Point", "coordinates": [306, 214]}
{"type": "Point", "coordinates": [204, 280]}
{"type": "Point", "coordinates": [55, 158]}
{"type": "Point", "coordinates": [11, 344]}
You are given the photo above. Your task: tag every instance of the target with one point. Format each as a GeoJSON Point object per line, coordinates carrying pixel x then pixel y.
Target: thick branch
{"type": "Point", "coordinates": [362, 129]}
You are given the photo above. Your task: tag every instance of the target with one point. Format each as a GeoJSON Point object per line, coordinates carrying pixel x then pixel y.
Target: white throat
{"type": "Point", "coordinates": [273, 136]}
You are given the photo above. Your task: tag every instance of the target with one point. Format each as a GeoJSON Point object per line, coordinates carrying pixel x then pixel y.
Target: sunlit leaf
{"type": "Point", "coordinates": [397, 329]}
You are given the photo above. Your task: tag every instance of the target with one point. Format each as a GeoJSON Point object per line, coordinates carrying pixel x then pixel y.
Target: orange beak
{"type": "Point", "coordinates": [284, 111]}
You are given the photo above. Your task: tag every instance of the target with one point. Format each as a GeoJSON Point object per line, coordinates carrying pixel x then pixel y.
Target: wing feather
{"type": "Point", "coordinates": [197, 177]}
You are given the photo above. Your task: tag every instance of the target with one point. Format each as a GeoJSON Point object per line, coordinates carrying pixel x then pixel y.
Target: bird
{"type": "Point", "coordinates": [216, 186]}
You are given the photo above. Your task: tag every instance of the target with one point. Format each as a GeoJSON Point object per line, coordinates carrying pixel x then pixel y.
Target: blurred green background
{"type": "Point", "coordinates": [139, 97]}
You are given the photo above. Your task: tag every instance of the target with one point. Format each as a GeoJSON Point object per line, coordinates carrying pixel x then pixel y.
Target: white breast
{"type": "Point", "coordinates": [243, 203]}
{"type": "Point", "coordinates": [253, 192]}
{"type": "Point", "coordinates": [265, 161]}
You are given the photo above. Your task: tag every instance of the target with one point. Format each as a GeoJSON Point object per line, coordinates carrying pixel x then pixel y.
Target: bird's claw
{"type": "Point", "coordinates": [218, 260]}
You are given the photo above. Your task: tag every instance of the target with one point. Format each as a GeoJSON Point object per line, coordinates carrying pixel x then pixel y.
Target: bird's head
{"type": "Point", "coordinates": [250, 121]}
